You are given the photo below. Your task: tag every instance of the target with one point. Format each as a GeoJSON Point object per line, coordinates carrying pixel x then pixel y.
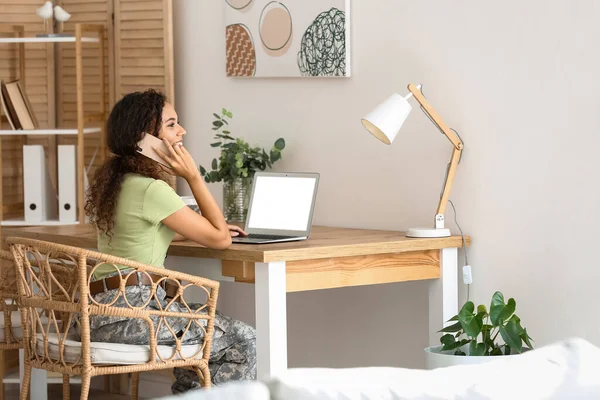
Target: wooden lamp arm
{"type": "Point", "coordinates": [456, 153]}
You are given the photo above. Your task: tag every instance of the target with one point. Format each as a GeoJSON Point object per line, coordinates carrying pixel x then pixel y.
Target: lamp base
{"type": "Point", "coordinates": [428, 232]}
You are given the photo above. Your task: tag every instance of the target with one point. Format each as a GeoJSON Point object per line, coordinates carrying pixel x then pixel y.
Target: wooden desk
{"type": "Point", "coordinates": [331, 258]}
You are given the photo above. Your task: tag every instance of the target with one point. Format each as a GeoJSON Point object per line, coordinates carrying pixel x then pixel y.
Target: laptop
{"type": "Point", "coordinates": [281, 207]}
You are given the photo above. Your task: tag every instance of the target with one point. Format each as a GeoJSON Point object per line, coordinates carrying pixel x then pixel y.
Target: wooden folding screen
{"type": "Point", "coordinates": [138, 55]}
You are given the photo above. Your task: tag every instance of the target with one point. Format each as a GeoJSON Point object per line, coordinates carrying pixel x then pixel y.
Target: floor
{"type": "Point", "coordinates": [55, 392]}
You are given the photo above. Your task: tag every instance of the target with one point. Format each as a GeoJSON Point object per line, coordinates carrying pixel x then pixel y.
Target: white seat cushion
{"type": "Point", "coordinates": [113, 353]}
{"type": "Point", "coordinates": [15, 321]}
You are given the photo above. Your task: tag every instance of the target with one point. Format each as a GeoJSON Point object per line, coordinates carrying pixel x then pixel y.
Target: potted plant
{"type": "Point", "coordinates": [476, 335]}
{"type": "Point", "coordinates": [236, 166]}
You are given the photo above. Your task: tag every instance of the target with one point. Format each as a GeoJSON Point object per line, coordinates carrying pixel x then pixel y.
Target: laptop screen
{"type": "Point", "coordinates": [282, 202]}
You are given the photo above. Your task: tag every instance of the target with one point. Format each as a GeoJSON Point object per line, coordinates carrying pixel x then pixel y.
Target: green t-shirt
{"type": "Point", "coordinates": [138, 233]}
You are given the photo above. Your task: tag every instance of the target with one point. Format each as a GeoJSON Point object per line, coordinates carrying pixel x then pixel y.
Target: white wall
{"type": "Point", "coordinates": [519, 82]}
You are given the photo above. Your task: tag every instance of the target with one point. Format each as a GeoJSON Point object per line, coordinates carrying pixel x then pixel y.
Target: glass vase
{"type": "Point", "coordinates": [236, 197]}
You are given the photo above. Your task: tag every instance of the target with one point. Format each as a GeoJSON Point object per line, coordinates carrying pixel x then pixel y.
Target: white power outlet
{"type": "Point", "coordinates": [467, 276]}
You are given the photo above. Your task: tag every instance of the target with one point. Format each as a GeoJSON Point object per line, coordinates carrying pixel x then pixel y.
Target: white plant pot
{"type": "Point", "coordinates": [435, 358]}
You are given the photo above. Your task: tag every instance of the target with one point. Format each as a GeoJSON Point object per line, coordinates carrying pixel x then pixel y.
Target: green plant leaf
{"type": "Point", "coordinates": [476, 349]}
{"type": "Point", "coordinates": [507, 350]}
{"type": "Point", "coordinates": [202, 170]}
{"type": "Point", "coordinates": [471, 323]}
{"type": "Point", "coordinates": [511, 305]}
{"type": "Point", "coordinates": [448, 342]}
{"type": "Point", "coordinates": [459, 353]}
{"type": "Point", "coordinates": [214, 163]}
{"type": "Point", "coordinates": [275, 155]}
{"type": "Point", "coordinates": [452, 328]}
{"type": "Point", "coordinates": [496, 352]}
{"type": "Point", "coordinates": [526, 338]}
{"type": "Point", "coordinates": [238, 158]}
{"type": "Point", "coordinates": [496, 308]}
{"type": "Point", "coordinates": [485, 331]}
{"type": "Point", "coordinates": [515, 318]}
{"type": "Point", "coordinates": [481, 309]}
{"type": "Point", "coordinates": [216, 144]}
{"type": "Point", "coordinates": [280, 144]}
{"type": "Point", "coordinates": [510, 334]}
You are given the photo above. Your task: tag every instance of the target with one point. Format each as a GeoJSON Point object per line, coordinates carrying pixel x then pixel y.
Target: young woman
{"type": "Point", "coordinates": [137, 216]}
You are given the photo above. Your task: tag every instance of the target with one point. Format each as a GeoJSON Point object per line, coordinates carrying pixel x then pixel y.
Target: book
{"type": "Point", "coordinates": [28, 104]}
{"type": "Point", "coordinates": [7, 107]}
{"type": "Point", "coordinates": [21, 105]}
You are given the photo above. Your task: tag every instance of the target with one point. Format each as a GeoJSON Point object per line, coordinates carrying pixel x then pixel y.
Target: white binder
{"type": "Point", "coordinates": [67, 184]}
{"type": "Point", "coordinates": [38, 193]}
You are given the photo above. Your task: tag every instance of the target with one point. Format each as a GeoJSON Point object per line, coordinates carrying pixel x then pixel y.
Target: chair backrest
{"type": "Point", "coordinates": [8, 300]}
{"type": "Point", "coordinates": [54, 289]}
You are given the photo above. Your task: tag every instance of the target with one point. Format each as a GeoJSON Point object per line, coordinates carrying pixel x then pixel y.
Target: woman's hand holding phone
{"type": "Point", "coordinates": [180, 161]}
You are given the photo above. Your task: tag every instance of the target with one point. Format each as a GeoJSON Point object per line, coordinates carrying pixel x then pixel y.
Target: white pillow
{"type": "Point", "coordinates": [567, 369]}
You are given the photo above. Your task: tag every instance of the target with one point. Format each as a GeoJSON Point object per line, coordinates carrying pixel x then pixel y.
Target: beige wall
{"type": "Point", "coordinates": [518, 80]}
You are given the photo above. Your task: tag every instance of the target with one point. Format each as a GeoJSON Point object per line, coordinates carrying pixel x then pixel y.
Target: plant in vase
{"type": "Point", "coordinates": [477, 332]}
{"type": "Point", "coordinates": [236, 166]}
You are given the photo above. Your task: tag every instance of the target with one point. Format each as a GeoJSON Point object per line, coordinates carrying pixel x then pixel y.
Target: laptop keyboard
{"type": "Point", "coordinates": [268, 237]}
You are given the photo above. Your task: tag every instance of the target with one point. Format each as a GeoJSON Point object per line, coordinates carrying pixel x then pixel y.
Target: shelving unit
{"type": "Point", "coordinates": [22, 222]}
{"type": "Point", "coordinates": [29, 132]}
{"type": "Point", "coordinates": [57, 39]}
{"type": "Point", "coordinates": [79, 39]}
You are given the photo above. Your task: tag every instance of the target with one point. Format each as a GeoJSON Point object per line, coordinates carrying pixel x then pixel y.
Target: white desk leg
{"type": "Point", "coordinates": [38, 387]}
{"type": "Point", "coordinates": [443, 295]}
{"type": "Point", "coordinates": [39, 384]}
{"type": "Point", "coordinates": [271, 321]}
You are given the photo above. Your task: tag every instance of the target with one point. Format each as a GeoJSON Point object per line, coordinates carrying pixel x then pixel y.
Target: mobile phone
{"type": "Point", "coordinates": [145, 147]}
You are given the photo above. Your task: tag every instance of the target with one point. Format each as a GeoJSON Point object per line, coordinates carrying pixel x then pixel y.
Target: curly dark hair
{"type": "Point", "coordinates": [131, 118]}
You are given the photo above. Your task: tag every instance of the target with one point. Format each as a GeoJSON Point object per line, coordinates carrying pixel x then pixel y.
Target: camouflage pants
{"type": "Point", "coordinates": [233, 352]}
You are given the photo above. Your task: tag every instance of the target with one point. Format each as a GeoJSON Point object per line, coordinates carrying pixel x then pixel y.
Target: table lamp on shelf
{"type": "Point", "coordinates": [385, 121]}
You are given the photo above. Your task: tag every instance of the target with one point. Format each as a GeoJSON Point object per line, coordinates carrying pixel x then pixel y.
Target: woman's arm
{"type": "Point", "coordinates": [234, 230]}
{"type": "Point", "coordinates": [178, 238]}
{"type": "Point", "coordinates": [208, 229]}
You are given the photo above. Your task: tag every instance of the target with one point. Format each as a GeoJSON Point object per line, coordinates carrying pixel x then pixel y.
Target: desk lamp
{"type": "Point", "coordinates": [385, 121]}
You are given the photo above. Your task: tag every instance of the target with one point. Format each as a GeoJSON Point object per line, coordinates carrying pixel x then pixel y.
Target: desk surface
{"type": "Point", "coordinates": [324, 242]}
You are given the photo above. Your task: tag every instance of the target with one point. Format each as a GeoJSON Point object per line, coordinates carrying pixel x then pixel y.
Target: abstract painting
{"type": "Point", "coordinates": [287, 38]}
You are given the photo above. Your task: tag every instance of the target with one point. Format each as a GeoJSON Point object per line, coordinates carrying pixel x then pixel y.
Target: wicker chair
{"type": "Point", "coordinates": [8, 296]}
{"type": "Point", "coordinates": [54, 345]}
{"type": "Point", "coordinates": [10, 339]}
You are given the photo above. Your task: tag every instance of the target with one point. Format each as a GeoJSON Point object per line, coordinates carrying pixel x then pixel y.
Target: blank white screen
{"type": "Point", "coordinates": [281, 203]}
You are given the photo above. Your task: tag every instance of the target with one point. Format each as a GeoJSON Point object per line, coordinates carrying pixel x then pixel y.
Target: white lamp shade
{"type": "Point", "coordinates": [385, 121]}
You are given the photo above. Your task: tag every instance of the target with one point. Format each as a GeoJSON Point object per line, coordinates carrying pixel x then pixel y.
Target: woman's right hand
{"type": "Point", "coordinates": [180, 161]}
